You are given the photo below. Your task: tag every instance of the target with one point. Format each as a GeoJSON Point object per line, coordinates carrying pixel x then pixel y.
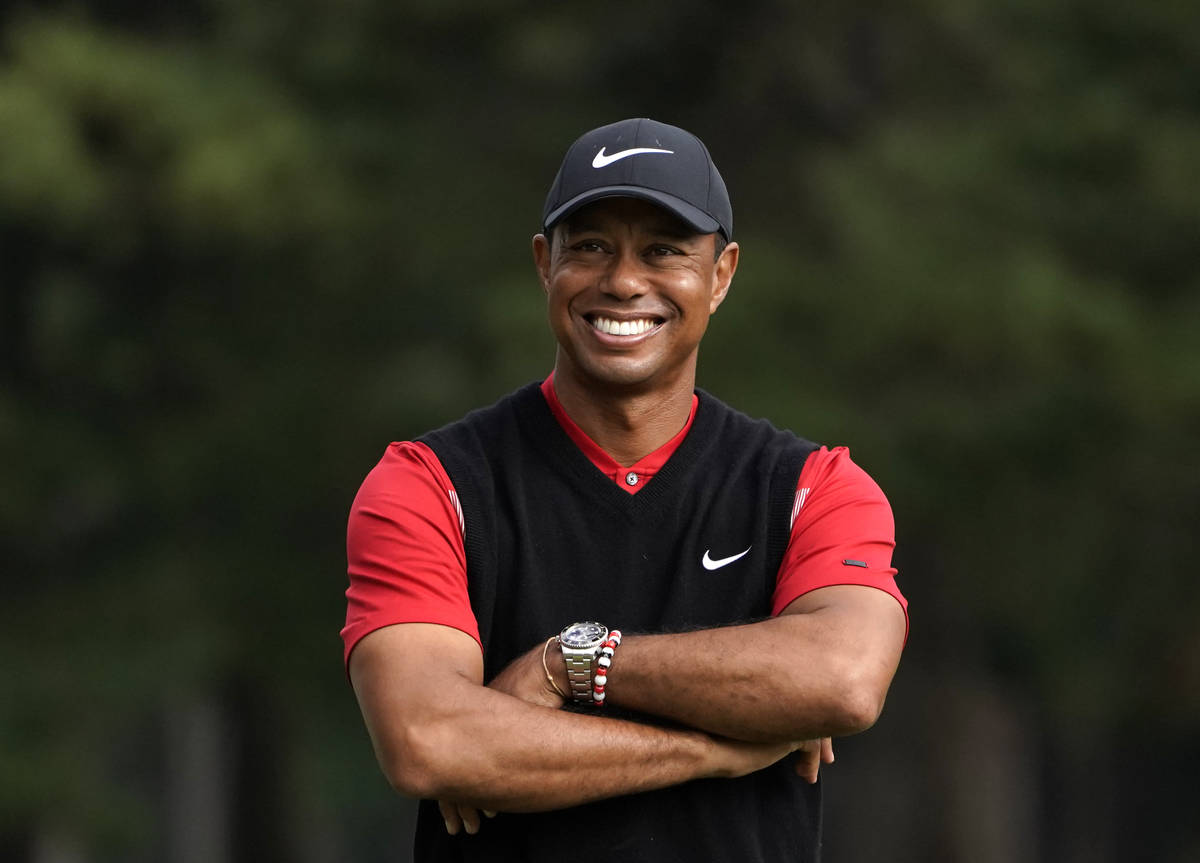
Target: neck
{"type": "Point", "coordinates": [627, 423]}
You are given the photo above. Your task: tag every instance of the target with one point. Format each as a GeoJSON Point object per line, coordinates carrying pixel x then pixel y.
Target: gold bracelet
{"type": "Point", "coordinates": [546, 668]}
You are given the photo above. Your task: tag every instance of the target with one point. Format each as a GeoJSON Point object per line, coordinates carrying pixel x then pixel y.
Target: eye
{"type": "Point", "coordinates": [663, 250]}
{"type": "Point", "coordinates": [587, 246]}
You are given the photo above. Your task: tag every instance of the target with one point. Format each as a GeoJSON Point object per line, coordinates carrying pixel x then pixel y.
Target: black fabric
{"type": "Point", "coordinates": [550, 539]}
{"type": "Point", "coordinates": [642, 158]}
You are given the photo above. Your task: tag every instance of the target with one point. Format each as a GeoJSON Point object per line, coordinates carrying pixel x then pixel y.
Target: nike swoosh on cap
{"type": "Point", "coordinates": [603, 159]}
{"type": "Point", "coordinates": [711, 564]}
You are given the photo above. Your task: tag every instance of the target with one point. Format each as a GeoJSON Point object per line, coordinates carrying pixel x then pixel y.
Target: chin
{"type": "Point", "coordinates": [627, 377]}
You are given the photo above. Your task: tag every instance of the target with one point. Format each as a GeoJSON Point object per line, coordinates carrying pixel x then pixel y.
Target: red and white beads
{"type": "Point", "coordinates": [603, 663]}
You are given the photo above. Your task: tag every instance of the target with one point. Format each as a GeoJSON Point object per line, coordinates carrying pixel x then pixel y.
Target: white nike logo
{"type": "Point", "coordinates": [710, 564]}
{"type": "Point", "coordinates": [601, 159]}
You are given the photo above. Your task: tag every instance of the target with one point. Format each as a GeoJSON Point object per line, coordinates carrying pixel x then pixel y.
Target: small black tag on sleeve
{"type": "Point", "coordinates": [854, 563]}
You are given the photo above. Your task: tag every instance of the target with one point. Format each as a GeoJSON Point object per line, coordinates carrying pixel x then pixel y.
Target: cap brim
{"type": "Point", "coordinates": [695, 218]}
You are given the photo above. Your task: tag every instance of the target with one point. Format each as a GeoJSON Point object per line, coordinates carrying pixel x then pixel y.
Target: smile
{"type": "Point", "coordinates": [623, 328]}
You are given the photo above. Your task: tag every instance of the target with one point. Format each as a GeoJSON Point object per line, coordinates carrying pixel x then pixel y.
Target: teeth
{"type": "Point", "coordinates": [622, 328]}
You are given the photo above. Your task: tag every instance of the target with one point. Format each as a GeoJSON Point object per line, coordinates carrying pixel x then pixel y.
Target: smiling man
{"type": "Point", "coordinates": [495, 563]}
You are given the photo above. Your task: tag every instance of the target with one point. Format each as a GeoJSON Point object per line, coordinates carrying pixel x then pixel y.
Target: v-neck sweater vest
{"type": "Point", "coordinates": [550, 540]}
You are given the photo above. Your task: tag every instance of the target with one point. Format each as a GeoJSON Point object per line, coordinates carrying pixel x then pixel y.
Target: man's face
{"type": "Point", "coordinates": [629, 292]}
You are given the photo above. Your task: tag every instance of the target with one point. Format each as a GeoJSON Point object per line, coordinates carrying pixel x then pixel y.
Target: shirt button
{"type": "Point", "coordinates": [631, 478]}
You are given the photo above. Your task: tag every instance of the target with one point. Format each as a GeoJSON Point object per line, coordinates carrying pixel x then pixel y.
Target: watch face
{"type": "Point", "coordinates": [581, 635]}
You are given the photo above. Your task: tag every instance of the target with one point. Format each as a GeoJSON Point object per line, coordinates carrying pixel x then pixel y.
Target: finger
{"type": "Point", "coordinates": [470, 818]}
{"type": "Point", "coordinates": [450, 816]}
{"type": "Point", "coordinates": [807, 763]}
{"type": "Point", "coordinates": [827, 750]}
{"type": "Point", "coordinates": [490, 813]}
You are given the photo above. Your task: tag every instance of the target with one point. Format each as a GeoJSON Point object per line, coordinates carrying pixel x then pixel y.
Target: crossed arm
{"type": "Point", "coordinates": [747, 695]}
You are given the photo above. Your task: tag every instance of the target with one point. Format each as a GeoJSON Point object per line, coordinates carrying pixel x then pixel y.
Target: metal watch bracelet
{"type": "Point", "coordinates": [579, 677]}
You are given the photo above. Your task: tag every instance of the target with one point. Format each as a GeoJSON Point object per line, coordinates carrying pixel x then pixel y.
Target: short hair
{"type": "Point", "coordinates": [719, 244]}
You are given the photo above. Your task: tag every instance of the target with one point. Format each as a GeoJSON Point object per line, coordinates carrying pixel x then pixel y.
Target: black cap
{"type": "Point", "coordinates": [644, 159]}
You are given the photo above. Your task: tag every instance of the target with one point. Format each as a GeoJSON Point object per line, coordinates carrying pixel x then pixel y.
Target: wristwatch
{"type": "Point", "coordinates": [580, 643]}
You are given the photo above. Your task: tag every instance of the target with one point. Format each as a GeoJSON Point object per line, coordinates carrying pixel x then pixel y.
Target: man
{"type": "Point", "coordinates": [750, 570]}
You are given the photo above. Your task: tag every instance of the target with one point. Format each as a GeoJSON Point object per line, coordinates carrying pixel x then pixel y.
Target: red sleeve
{"type": "Point", "coordinates": [404, 548]}
{"type": "Point", "coordinates": [843, 531]}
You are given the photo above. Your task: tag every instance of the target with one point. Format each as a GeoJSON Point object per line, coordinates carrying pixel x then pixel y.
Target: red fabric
{"type": "Point", "coordinates": [407, 563]}
{"type": "Point", "coordinates": [844, 516]}
{"type": "Point", "coordinates": [405, 549]}
{"type": "Point", "coordinates": [645, 467]}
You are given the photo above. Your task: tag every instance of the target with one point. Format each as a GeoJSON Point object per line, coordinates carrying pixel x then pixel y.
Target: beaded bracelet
{"type": "Point", "coordinates": [603, 662]}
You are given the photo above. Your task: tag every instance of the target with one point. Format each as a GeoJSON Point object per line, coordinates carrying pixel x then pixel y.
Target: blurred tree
{"type": "Point", "coordinates": [242, 247]}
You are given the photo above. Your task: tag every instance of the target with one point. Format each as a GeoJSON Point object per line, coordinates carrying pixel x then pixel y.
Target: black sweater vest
{"type": "Point", "coordinates": [550, 540]}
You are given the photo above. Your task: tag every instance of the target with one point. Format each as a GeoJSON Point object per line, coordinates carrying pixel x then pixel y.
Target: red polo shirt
{"type": "Point", "coordinates": [407, 563]}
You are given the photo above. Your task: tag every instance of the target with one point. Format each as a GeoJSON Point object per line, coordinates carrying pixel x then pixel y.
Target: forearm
{"type": "Point", "coordinates": [500, 753]}
{"type": "Point", "coordinates": [797, 676]}
{"type": "Point", "coordinates": [730, 681]}
{"type": "Point", "coordinates": [510, 756]}
{"type": "Point", "coordinates": [438, 733]}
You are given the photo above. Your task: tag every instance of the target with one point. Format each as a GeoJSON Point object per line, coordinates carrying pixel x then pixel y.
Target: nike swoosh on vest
{"type": "Point", "coordinates": [711, 564]}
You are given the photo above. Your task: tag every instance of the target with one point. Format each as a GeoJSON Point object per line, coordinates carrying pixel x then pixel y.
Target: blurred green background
{"type": "Point", "coordinates": [244, 246]}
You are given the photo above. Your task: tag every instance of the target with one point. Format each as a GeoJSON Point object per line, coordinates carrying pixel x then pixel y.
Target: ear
{"type": "Point", "coordinates": [723, 271]}
{"type": "Point", "coordinates": [541, 259]}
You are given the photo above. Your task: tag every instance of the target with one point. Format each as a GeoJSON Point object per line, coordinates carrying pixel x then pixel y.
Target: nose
{"type": "Point", "coordinates": [625, 278]}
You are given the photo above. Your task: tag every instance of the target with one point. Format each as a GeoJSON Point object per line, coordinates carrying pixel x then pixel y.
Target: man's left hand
{"type": "Point", "coordinates": [525, 676]}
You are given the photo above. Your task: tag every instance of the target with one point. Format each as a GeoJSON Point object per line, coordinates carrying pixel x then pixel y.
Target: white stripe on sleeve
{"type": "Point", "coordinates": [801, 496]}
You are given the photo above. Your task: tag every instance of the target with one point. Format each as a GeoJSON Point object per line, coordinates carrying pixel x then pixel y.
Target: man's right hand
{"type": "Point", "coordinates": [810, 755]}
{"type": "Point", "coordinates": [727, 759]}
{"type": "Point", "coordinates": [460, 816]}
{"type": "Point", "coordinates": [733, 758]}
{"type": "Point", "coordinates": [525, 678]}
{"type": "Point", "coordinates": [440, 734]}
